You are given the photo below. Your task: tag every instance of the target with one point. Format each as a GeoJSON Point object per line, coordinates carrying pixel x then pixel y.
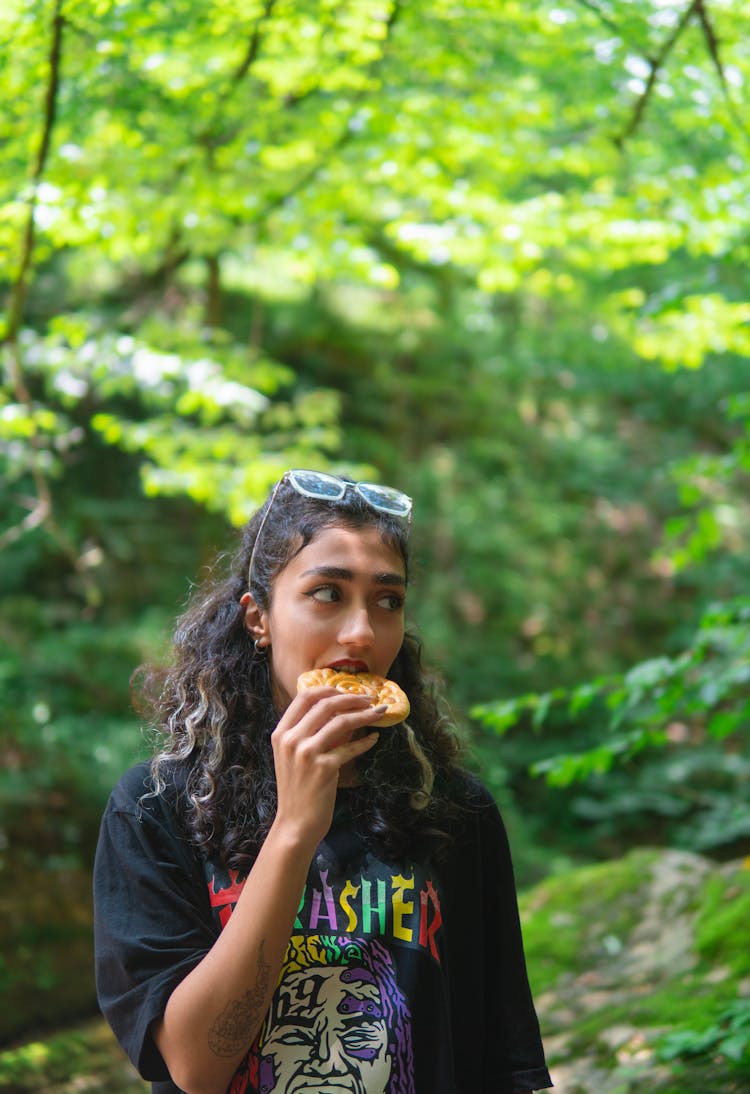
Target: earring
{"type": "Point", "coordinates": [259, 647]}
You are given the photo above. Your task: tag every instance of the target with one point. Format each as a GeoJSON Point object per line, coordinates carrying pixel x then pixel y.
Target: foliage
{"type": "Point", "coordinates": [529, 268]}
{"type": "Point", "coordinates": [729, 1037]}
{"type": "Point", "coordinates": [697, 698]}
{"type": "Point", "coordinates": [199, 430]}
{"type": "Point", "coordinates": [216, 292]}
{"type": "Point", "coordinates": [494, 253]}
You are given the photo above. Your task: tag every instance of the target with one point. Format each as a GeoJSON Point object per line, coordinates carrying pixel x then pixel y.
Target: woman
{"type": "Point", "coordinates": [288, 899]}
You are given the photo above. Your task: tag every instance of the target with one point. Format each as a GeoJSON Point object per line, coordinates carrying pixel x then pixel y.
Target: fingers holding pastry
{"type": "Point", "coordinates": [377, 689]}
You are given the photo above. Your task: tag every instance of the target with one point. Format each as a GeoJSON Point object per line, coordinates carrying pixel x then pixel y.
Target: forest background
{"type": "Point", "coordinates": [494, 254]}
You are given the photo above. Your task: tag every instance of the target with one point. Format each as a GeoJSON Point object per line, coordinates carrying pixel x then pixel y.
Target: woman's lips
{"type": "Point", "coordinates": [347, 665]}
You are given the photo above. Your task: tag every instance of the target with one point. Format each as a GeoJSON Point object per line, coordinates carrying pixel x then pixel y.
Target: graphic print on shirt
{"type": "Point", "coordinates": [374, 903]}
{"type": "Point", "coordinates": [338, 1022]}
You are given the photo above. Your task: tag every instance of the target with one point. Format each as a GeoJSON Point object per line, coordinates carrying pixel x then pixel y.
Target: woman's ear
{"type": "Point", "coordinates": [256, 620]}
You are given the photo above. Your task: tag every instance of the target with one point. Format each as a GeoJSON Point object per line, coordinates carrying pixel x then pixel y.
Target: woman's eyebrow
{"type": "Point", "coordinates": [343, 574]}
{"type": "Point", "coordinates": [389, 579]}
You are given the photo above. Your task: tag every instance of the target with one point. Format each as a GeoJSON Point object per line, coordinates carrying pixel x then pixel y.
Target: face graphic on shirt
{"type": "Point", "coordinates": [327, 1032]}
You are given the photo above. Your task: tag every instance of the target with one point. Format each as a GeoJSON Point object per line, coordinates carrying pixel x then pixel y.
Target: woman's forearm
{"type": "Point", "coordinates": [213, 1015]}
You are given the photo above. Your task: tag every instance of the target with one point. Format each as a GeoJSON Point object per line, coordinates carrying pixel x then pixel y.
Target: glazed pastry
{"type": "Point", "coordinates": [377, 689]}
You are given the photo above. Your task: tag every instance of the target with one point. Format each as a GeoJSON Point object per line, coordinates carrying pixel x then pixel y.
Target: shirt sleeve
{"type": "Point", "coordinates": [495, 1022]}
{"type": "Point", "coordinates": [152, 922]}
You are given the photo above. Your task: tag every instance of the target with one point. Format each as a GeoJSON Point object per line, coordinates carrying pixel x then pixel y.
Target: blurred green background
{"type": "Point", "coordinates": [494, 254]}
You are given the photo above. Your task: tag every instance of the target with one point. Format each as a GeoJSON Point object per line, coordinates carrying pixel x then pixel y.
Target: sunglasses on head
{"type": "Point", "coordinates": [321, 486]}
{"type": "Point", "coordinates": [325, 487]}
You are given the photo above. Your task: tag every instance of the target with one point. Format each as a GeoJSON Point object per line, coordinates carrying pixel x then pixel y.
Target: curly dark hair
{"type": "Point", "coordinates": [214, 708]}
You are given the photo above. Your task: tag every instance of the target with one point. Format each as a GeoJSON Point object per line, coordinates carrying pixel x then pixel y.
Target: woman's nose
{"type": "Point", "coordinates": [357, 629]}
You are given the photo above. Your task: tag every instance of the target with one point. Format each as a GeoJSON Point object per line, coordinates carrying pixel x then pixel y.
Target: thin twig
{"type": "Point", "coordinates": [253, 48]}
{"type": "Point", "coordinates": [20, 287]}
{"type": "Point", "coordinates": [656, 64]}
{"type": "Point", "coordinates": [605, 20]}
{"type": "Point", "coordinates": [345, 135]}
{"type": "Point", "coordinates": [42, 513]}
{"type": "Point", "coordinates": [712, 44]}
{"type": "Point", "coordinates": [711, 41]}
{"type": "Point", "coordinates": [209, 136]}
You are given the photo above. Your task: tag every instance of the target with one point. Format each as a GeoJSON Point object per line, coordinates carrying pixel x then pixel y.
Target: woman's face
{"type": "Point", "coordinates": [339, 603]}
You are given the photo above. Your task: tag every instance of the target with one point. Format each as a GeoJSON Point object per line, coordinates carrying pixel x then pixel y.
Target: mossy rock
{"type": "Point", "coordinates": [641, 973]}
{"type": "Point", "coordinates": [85, 1058]}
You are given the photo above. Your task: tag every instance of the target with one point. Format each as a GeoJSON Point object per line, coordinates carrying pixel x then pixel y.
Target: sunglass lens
{"type": "Point", "coordinates": [385, 498]}
{"type": "Point", "coordinates": [316, 484]}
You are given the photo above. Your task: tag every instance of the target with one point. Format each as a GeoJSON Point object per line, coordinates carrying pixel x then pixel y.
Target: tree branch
{"type": "Point", "coordinates": [345, 135]}
{"type": "Point", "coordinates": [303, 180]}
{"type": "Point", "coordinates": [41, 508]}
{"type": "Point", "coordinates": [712, 44]}
{"type": "Point", "coordinates": [656, 64]}
{"type": "Point", "coordinates": [209, 137]}
{"type": "Point", "coordinates": [605, 20]}
{"type": "Point", "coordinates": [19, 289]}
{"type": "Point", "coordinates": [712, 41]}
{"type": "Point", "coordinates": [253, 47]}
{"type": "Point", "coordinates": [39, 512]}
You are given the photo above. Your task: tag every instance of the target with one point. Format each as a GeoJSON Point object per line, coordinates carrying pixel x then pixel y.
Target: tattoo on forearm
{"type": "Point", "coordinates": [233, 1029]}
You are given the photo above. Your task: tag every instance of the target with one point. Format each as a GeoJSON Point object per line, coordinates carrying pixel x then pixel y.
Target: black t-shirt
{"type": "Point", "coordinates": [409, 978]}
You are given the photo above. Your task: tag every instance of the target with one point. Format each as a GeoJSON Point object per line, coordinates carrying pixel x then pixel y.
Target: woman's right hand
{"type": "Point", "coordinates": [320, 732]}
{"type": "Point", "coordinates": [214, 1013]}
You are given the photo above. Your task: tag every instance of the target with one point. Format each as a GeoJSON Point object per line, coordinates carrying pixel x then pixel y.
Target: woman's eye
{"type": "Point", "coordinates": [393, 602]}
{"type": "Point", "coordinates": [326, 594]}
